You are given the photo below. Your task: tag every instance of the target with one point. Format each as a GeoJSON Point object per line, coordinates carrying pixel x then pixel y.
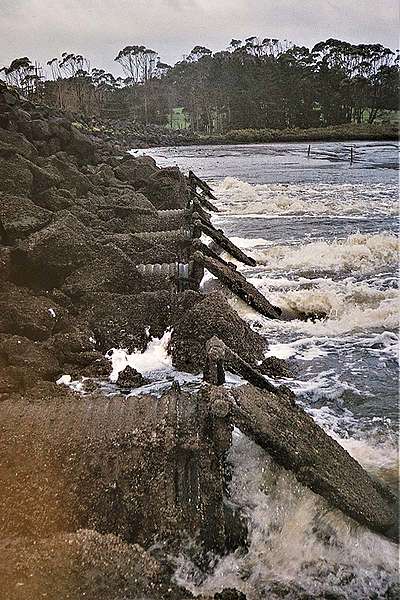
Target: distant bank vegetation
{"type": "Point", "coordinates": [244, 93]}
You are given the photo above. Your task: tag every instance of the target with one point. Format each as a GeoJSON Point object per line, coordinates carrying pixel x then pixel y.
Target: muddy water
{"type": "Point", "coordinates": [324, 233]}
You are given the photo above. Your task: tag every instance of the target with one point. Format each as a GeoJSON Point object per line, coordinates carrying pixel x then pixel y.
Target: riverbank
{"type": "Point", "coordinates": [124, 134]}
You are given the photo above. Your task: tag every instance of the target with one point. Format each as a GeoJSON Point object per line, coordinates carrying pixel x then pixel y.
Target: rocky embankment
{"type": "Point", "coordinates": [98, 491]}
{"type": "Point", "coordinates": [81, 272]}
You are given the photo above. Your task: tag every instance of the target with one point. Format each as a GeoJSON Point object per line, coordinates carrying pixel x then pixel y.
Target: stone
{"type": "Point", "coordinates": [167, 189]}
{"type": "Point", "coordinates": [15, 175]}
{"type": "Point", "coordinates": [212, 316]}
{"type": "Point", "coordinates": [31, 358]}
{"type": "Point", "coordinates": [48, 256]}
{"type": "Point", "coordinates": [34, 317]}
{"type": "Point", "coordinates": [20, 217]}
{"type": "Point", "coordinates": [85, 564]}
{"type": "Point", "coordinates": [136, 171]}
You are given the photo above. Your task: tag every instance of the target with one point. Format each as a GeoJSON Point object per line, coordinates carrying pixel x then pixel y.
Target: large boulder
{"type": "Point", "coordinates": [16, 143]}
{"type": "Point", "coordinates": [125, 320]}
{"type": "Point", "coordinates": [24, 362]}
{"type": "Point", "coordinates": [166, 189]}
{"type": "Point", "coordinates": [47, 257]}
{"type": "Point", "coordinates": [113, 271]}
{"type": "Point", "coordinates": [35, 317]}
{"type": "Point", "coordinates": [70, 176]}
{"type": "Point", "coordinates": [15, 175]}
{"type": "Point", "coordinates": [212, 317]}
{"type": "Point", "coordinates": [20, 217]}
{"type": "Point", "coordinates": [136, 171]}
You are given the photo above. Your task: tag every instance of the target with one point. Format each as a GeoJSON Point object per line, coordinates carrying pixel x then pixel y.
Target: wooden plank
{"type": "Point", "coordinates": [239, 285]}
{"type": "Point", "coordinates": [218, 236]}
{"type": "Point", "coordinates": [296, 442]}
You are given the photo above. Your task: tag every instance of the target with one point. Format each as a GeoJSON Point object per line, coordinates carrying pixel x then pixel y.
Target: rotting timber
{"type": "Point", "coordinates": [99, 252]}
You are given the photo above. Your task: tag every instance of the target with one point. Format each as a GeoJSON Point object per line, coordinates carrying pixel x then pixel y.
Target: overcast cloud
{"type": "Point", "coordinates": [43, 29]}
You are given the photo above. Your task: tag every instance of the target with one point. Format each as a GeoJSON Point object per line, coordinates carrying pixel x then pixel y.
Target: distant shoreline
{"type": "Point", "coordinates": [326, 134]}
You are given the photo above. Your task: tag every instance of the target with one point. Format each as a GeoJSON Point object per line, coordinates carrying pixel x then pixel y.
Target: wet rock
{"type": "Point", "coordinates": [130, 378]}
{"type": "Point", "coordinates": [20, 217]}
{"type": "Point", "coordinates": [86, 565]}
{"type": "Point", "coordinates": [230, 594]}
{"type": "Point", "coordinates": [48, 256]}
{"type": "Point", "coordinates": [127, 321]}
{"type": "Point", "coordinates": [139, 467]}
{"type": "Point", "coordinates": [212, 316]}
{"type": "Point", "coordinates": [167, 189]}
{"type": "Point", "coordinates": [276, 367]}
{"type": "Point", "coordinates": [35, 317]}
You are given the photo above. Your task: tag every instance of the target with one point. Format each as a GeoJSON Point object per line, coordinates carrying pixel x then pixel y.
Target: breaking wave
{"type": "Point", "coordinates": [239, 197]}
{"type": "Point", "coordinates": [357, 253]}
{"type": "Point", "coordinates": [297, 545]}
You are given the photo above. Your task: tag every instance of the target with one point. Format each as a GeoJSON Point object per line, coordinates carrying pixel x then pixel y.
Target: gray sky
{"type": "Point", "coordinates": [43, 29]}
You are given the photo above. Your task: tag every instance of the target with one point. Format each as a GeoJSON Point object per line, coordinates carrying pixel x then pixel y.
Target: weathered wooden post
{"type": "Point", "coordinates": [351, 155]}
{"type": "Point", "coordinates": [214, 372]}
{"type": "Point", "coordinates": [309, 150]}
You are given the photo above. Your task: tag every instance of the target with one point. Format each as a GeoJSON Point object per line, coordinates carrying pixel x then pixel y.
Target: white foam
{"type": "Point", "coordinates": [154, 358]}
{"type": "Point", "coordinates": [239, 197]}
{"type": "Point", "coordinates": [358, 252]}
{"type": "Point", "coordinates": [349, 306]}
{"type": "Point", "coordinates": [294, 539]}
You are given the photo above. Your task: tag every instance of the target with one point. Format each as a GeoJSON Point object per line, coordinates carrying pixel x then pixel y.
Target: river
{"type": "Point", "coordinates": [324, 233]}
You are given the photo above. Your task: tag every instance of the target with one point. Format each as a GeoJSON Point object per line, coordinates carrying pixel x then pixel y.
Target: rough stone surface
{"type": "Point", "coordinates": [35, 317]}
{"type": "Point", "coordinates": [20, 217]}
{"type": "Point", "coordinates": [48, 256]}
{"type": "Point", "coordinates": [138, 467]}
{"type": "Point", "coordinates": [212, 316]}
{"type": "Point", "coordinates": [85, 564]}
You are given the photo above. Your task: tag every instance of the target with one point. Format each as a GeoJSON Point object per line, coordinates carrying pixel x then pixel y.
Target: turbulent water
{"type": "Point", "coordinates": [324, 233]}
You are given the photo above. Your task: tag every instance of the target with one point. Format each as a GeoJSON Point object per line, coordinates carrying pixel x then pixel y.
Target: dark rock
{"type": "Point", "coordinates": [212, 316]}
{"type": "Point", "coordinates": [55, 199]}
{"type": "Point", "coordinates": [136, 171]}
{"type": "Point", "coordinates": [5, 263]}
{"type": "Point", "coordinates": [130, 378]}
{"type": "Point", "coordinates": [113, 272]}
{"type": "Point", "coordinates": [275, 367]}
{"type": "Point", "coordinates": [15, 176]}
{"type": "Point", "coordinates": [67, 173]}
{"type": "Point", "coordinates": [14, 142]}
{"type": "Point", "coordinates": [127, 321]}
{"type": "Point", "coordinates": [35, 317]}
{"type": "Point", "coordinates": [167, 189]}
{"type": "Point", "coordinates": [34, 359]}
{"type": "Point", "coordinates": [48, 256]}
{"type": "Point", "coordinates": [230, 594]}
{"type": "Point", "coordinates": [20, 217]}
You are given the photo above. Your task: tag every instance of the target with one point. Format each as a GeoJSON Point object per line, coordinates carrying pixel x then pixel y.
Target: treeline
{"type": "Point", "coordinates": [255, 83]}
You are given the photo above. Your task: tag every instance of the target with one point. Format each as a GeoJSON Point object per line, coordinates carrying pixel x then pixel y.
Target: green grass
{"type": "Point", "coordinates": [379, 131]}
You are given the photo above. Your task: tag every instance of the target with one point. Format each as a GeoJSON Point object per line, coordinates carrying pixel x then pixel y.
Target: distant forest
{"type": "Point", "coordinates": [255, 83]}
